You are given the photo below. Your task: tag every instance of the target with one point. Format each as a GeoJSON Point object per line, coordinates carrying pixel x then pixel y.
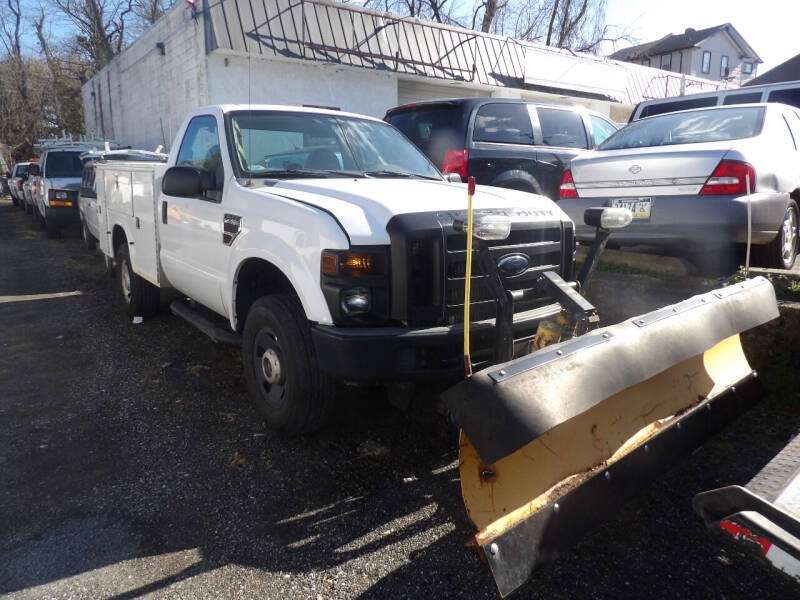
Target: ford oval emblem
{"type": "Point", "coordinates": [513, 264]}
{"type": "Point", "coordinates": [635, 169]}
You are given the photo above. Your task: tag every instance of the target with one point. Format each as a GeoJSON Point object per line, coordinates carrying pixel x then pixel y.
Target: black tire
{"type": "Point", "coordinates": [88, 239]}
{"type": "Point", "coordinates": [781, 252]}
{"type": "Point", "coordinates": [139, 297]}
{"type": "Point", "coordinates": [300, 398]}
{"type": "Point", "coordinates": [14, 201]}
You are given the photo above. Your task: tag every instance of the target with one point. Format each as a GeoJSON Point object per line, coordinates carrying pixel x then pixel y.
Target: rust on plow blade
{"type": "Point", "coordinates": [554, 441]}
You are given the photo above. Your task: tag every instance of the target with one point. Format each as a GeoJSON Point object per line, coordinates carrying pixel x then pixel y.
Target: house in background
{"type": "Point", "coordinates": [786, 71]}
{"type": "Point", "coordinates": [718, 53]}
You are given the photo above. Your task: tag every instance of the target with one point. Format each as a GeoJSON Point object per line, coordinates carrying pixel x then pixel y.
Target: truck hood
{"type": "Point", "coordinates": [363, 207]}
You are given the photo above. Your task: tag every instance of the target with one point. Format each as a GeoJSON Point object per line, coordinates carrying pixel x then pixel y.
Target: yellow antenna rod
{"type": "Point", "coordinates": [468, 277]}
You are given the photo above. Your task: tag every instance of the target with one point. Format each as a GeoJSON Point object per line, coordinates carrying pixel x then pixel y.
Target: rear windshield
{"type": "Point", "coordinates": [432, 129]}
{"type": "Point", "coordinates": [63, 164]}
{"type": "Point", "coordinates": [661, 108]}
{"type": "Point", "coordinates": [691, 127]}
{"type": "Point", "coordinates": [20, 170]}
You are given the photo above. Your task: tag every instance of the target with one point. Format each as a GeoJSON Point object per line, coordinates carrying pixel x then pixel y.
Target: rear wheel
{"type": "Point", "coordinates": [280, 366]}
{"type": "Point", "coordinates": [781, 252]}
{"type": "Point", "coordinates": [140, 298]}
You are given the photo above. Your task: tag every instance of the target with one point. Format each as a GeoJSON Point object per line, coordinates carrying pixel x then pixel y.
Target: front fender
{"type": "Point", "coordinates": [291, 239]}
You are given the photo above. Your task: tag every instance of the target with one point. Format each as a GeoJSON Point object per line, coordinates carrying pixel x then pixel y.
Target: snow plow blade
{"type": "Point", "coordinates": [553, 442]}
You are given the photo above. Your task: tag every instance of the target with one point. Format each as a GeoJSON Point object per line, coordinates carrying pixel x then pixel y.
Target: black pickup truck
{"type": "Point", "coordinates": [518, 144]}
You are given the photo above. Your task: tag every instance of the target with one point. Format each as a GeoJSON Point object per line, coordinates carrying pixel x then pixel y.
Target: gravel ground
{"type": "Point", "coordinates": [132, 466]}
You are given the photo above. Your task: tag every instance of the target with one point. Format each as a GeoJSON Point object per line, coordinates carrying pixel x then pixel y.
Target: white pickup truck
{"type": "Point", "coordinates": [327, 245]}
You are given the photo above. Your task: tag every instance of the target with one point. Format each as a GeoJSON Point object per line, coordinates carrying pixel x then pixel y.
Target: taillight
{"type": "Point", "coordinates": [730, 177]}
{"type": "Point", "coordinates": [19, 185]}
{"type": "Point", "coordinates": [34, 187]}
{"type": "Point", "coordinates": [567, 188]}
{"type": "Point", "coordinates": [455, 161]}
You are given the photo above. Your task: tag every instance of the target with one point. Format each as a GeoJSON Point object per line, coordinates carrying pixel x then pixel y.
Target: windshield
{"type": "Point", "coordinates": [286, 144]}
{"type": "Point", "coordinates": [63, 164]}
{"type": "Point", "coordinates": [691, 127]}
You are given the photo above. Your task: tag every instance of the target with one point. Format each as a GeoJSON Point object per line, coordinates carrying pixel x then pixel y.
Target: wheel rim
{"type": "Point", "coordinates": [125, 281]}
{"type": "Point", "coordinates": [269, 368]}
{"type": "Point", "coordinates": [789, 231]}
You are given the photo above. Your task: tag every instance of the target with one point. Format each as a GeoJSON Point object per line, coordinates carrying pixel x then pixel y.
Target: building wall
{"type": "Point", "coordinates": [295, 82]}
{"type": "Point", "coordinates": [720, 44]}
{"type": "Point", "coordinates": [141, 97]}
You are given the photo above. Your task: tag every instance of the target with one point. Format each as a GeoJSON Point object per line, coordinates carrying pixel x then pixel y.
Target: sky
{"type": "Point", "coordinates": [771, 27]}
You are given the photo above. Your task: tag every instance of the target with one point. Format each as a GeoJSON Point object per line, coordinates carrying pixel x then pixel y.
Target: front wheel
{"type": "Point", "coordinates": [781, 252]}
{"type": "Point", "coordinates": [140, 298]}
{"type": "Point", "coordinates": [280, 367]}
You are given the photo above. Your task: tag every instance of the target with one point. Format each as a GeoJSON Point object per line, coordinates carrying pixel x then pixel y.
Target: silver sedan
{"type": "Point", "coordinates": [689, 177]}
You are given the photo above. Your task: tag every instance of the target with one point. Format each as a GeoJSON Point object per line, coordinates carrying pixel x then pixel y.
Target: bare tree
{"type": "Point", "coordinates": [99, 25]}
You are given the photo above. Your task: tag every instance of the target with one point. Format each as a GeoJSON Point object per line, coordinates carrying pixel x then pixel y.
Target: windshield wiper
{"type": "Point", "coordinates": [310, 173]}
{"type": "Point", "coordinates": [387, 173]}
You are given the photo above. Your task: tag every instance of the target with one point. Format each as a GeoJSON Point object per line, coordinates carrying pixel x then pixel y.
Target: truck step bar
{"type": "Point", "coordinates": [217, 333]}
{"type": "Point", "coordinates": [765, 513]}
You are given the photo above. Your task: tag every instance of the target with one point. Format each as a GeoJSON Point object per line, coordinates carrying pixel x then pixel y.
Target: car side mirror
{"type": "Point", "coordinates": [187, 182]}
{"type": "Point", "coordinates": [453, 178]}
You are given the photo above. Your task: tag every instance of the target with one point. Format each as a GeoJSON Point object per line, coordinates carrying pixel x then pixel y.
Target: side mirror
{"type": "Point", "coordinates": [187, 182]}
{"type": "Point", "coordinates": [453, 178]}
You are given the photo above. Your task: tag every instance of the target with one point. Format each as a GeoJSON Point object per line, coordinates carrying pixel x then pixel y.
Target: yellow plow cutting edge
{"type": "Point", "coordinates": [554, 441]}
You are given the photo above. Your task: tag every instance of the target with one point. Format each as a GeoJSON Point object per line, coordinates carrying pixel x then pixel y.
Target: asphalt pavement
{"type": "Point", "coordinates": [133, 466]}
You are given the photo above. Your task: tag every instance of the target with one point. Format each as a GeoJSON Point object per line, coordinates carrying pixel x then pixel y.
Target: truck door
{"type": "Point", "coordinates": [193, 255]}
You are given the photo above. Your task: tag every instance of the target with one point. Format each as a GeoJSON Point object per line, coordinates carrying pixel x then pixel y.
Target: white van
{"type": "Point", "coordinates": [786, 93]}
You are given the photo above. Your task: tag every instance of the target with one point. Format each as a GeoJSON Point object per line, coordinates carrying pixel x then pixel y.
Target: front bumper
{"type": "Point", "coordinates": [403, 354]}
{"type": "Point", "coordinates": [63, 215]}
{"type": "Point", "coordinates": [690, 221]}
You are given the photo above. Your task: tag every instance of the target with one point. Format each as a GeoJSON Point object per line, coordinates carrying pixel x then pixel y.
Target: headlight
{"type": "Point", "coordinates": [486, 227]}
{"type": "Point", "coordinates": [491, 227]}
{"type": "Point", "coordinates": [59, 198]}
{"type": "Point", "coordinates": [353, 264]}
{"type": "Point", "coordinates": [355, 283]}
{"type": "Point", "coordinates": [607, 217]}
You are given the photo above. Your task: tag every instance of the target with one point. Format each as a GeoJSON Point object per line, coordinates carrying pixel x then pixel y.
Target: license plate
{"type": "Point", "coordinates": [640, 207]}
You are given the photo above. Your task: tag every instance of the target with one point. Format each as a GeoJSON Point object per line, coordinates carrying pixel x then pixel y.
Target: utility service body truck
{"type": "Point", "coordinates": [331, 248]}
{"type": "Point", "coordinates": [341, 234]}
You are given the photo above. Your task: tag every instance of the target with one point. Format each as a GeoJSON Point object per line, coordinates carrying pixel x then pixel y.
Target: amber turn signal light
{"type": "Point", "coordinates": [353, 264]}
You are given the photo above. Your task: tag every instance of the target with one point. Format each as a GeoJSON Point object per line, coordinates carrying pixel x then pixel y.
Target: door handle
{"type": "Point", "coordinates": [164, 212]}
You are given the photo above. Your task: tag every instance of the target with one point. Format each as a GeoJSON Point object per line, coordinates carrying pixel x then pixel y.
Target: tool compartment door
{"type": "Point", "coordinates": [145, 258]}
